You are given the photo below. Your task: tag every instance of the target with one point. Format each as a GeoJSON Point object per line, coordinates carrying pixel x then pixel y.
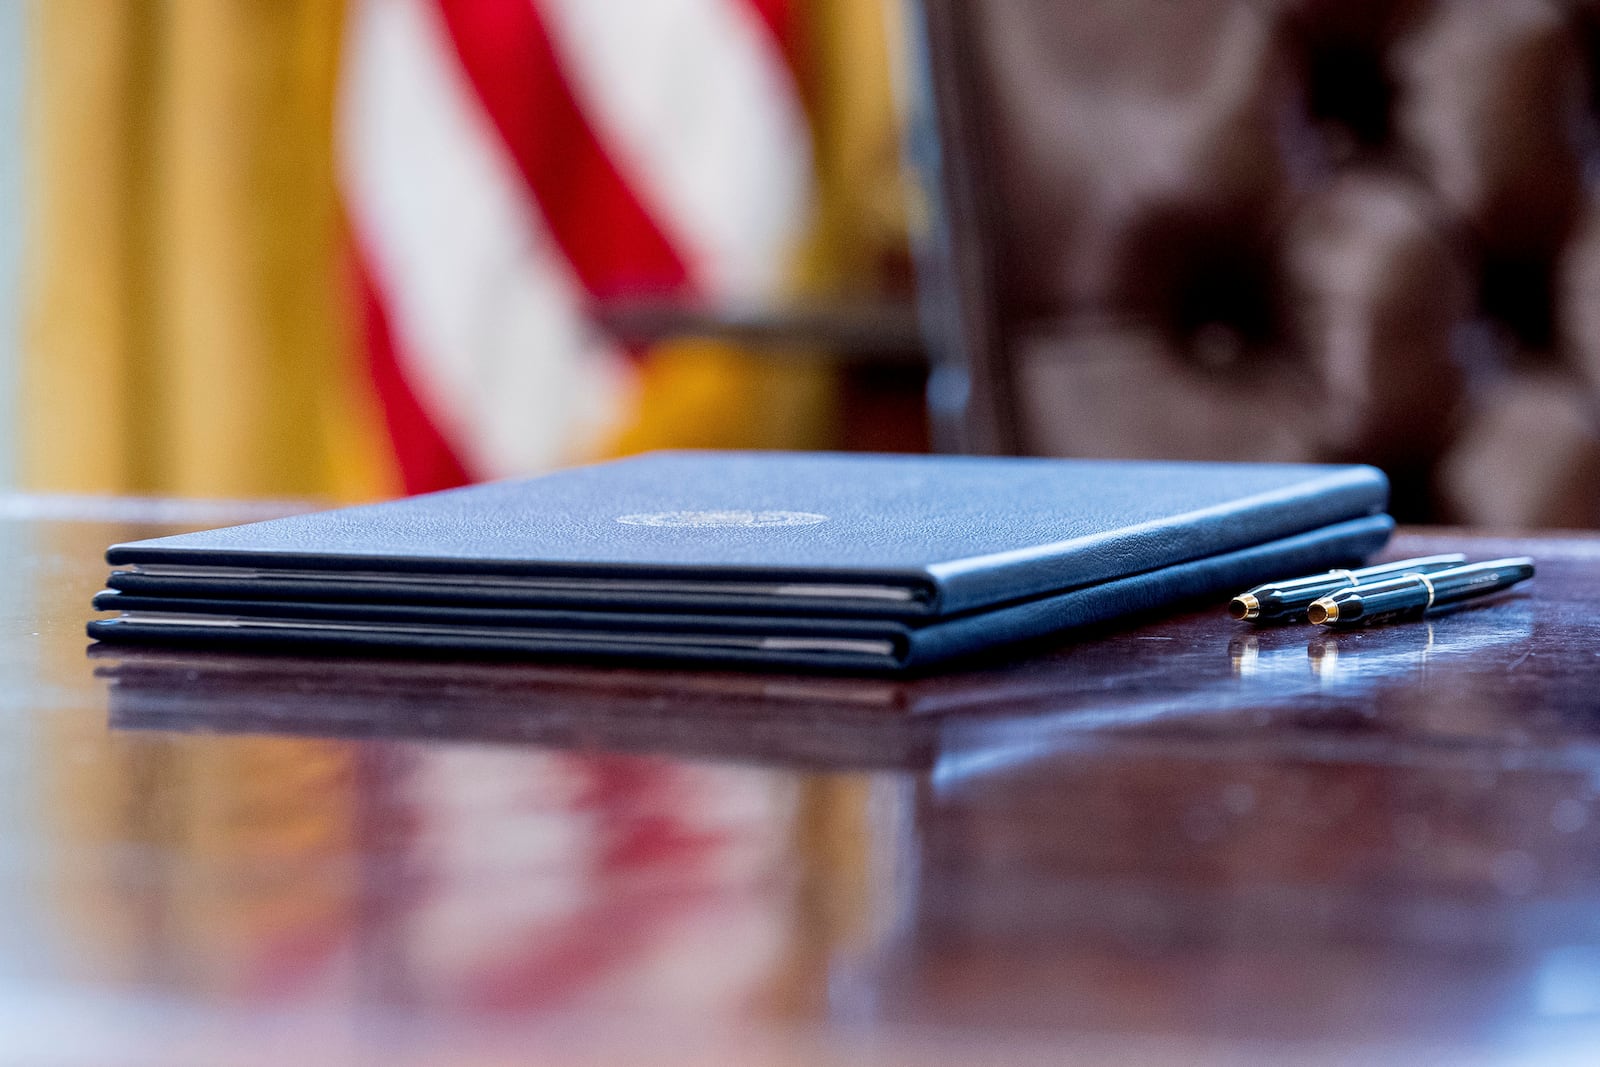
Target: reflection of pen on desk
{"type": "Point", "coordinates": [1410, 595]}
{"type": "Point", "coordinates": [1288, 600]}
{"type": "Point", "coordinates": [1334, 655]}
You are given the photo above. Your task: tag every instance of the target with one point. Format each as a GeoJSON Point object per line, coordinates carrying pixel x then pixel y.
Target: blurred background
{"type": "Point", "coordinates": [343, 250]}
{"type": "Point", "coordinates": [351, 249]}
{"type": "Point", "coordinates": [354, 249]}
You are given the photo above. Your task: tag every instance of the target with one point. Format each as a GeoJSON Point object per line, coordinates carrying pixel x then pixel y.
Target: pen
{"type": "Point", "coordinates": [1279, 601]}
{"type": "Point", "coordinates": [1410, 595]}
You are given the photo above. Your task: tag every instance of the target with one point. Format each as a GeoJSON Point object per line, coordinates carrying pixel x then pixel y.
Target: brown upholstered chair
{"type": "Point", "coordinates": [1273, 229]}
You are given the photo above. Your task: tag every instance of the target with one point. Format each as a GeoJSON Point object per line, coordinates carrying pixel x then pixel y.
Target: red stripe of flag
{"type": "Point", "coordinates": [614, 246]}
{"type": "Point", "coordinates": [779, 18]}
{"type": "Point", "coordinates": [427, 461]}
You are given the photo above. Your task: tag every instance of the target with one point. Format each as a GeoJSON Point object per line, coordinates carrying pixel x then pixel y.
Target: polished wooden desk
{"type": "Point", "coordinates": [1178, 842]}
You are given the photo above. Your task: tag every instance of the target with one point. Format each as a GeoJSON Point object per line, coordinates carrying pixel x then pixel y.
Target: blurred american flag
{"type": "Point", "coordinates": [507, 164]}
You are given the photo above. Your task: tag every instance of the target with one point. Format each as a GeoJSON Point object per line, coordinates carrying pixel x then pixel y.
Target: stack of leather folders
{"type": "Point", "coordinates": [815, 561]}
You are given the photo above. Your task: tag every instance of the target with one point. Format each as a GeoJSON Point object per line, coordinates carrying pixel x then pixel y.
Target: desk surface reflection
{"type": "Point", "coordinates": [1183, 841]}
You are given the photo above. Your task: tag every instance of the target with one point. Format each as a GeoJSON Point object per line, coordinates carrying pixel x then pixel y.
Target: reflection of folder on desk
{"type": "Point", "coordinates": [769, 559]}
{"type": "Point", "coordinates": [792, 720]}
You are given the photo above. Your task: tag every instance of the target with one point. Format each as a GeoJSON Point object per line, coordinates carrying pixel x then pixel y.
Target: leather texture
{"type": "Point", "coordinates": [916, 647]}
{"type": "Point", "coordinates": [1304, 230]}
{"type": "Point", "coordinates": [398, 591]}
{"type": "Point", "coordinates": [664, 622]}
{"type": "Point", "coordinates": [975, 531]}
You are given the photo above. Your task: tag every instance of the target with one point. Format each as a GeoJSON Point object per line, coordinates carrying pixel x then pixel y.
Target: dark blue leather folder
{"type": "Point", "coordinates": [826, 561]}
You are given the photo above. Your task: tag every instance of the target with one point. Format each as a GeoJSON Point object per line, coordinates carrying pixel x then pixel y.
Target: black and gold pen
{"type": "Point", "coordinates": [1411, 595]}
{"type": "Point", "coordinates": [1288, 600]}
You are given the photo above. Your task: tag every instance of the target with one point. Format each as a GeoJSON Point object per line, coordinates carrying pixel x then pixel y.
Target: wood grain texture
{"type": "Point", "coordinates": [1182, 840]}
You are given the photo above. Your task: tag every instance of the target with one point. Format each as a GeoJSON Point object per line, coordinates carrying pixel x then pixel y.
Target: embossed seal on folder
{"type": "Point", "coordinates": [724, 518]}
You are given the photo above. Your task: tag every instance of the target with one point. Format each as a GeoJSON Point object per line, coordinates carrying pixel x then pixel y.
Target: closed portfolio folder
{"type": "Point", "coordinates": [802, 560]}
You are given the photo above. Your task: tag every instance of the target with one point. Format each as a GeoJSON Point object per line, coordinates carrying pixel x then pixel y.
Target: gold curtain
{"type": "Point", "coordinates": [187, 330]}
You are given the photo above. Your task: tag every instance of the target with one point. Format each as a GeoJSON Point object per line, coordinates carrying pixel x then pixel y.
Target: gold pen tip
{"type": "Point", "coordinates": [1244, 606]}
{"type": "Point", "coordinates": [1323, 611]}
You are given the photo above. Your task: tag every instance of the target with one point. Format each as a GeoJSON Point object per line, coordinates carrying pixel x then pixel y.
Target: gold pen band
{"type": "Point", "coordinates": [1423, 578]}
